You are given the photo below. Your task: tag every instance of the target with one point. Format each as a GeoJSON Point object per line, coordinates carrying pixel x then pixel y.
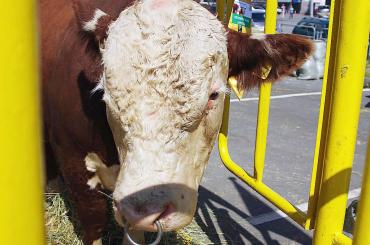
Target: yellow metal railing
{"type": "Point", "coordinates": [21, 205]}
{"type": "Point", "coordinates": [261, 137]}
{"type": "Point", "coordinates": [362, 234]}
{"type": "Point", "coordinates": [345, 76]}
{"type": "Point", "coordinates": [337, 126]}
{"type": "Point", "coordinates": [21, 199]}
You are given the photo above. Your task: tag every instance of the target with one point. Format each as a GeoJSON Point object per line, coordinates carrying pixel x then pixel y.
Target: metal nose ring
{"type": "Point", "coordinates": [155, 242]}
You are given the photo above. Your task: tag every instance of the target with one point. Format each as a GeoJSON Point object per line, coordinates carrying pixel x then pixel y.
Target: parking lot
{"type": "Point", "coordinates": [229, 212]}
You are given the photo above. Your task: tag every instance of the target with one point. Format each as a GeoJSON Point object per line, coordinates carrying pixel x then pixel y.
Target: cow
{"type": "Point", "coordinates": [139, 86]}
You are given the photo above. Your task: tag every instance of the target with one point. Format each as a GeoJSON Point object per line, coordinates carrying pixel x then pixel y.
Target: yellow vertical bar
{"type": "Point", "coordinates": [220, 7]}
{"type": "Point", "coordinates": [264, 101]}
{"type": "Point", "coordinates": [21, 199]}
{"type": "Point", "coordinates": [322, 125]}
{"type": "Point", "coordinates": [362, 234]}
{"type": "Point", "coordinates": [345, 78]}
{"type": "Point", "coordinates": [224, 8]}
{"type": "Point", "coordinates": [271, 12]}
{"type": "Point", "coordinates": [229, 7]}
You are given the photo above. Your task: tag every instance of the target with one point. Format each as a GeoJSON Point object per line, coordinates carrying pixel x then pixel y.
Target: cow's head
{"type": "Point", "coordinates": [165, 68]}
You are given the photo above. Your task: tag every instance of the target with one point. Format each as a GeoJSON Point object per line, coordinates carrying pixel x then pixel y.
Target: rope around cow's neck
{"type": "Point", "coordinates": [155, 242]}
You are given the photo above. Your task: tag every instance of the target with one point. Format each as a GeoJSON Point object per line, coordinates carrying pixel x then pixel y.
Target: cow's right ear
{"type": "Point", "coordinates": [254, 59]}
{"type": "Point", "coordinates": [91, 19]}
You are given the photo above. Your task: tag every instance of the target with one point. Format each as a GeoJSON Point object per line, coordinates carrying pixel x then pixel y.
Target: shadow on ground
{"type": "Point", "coordinates": [221, 220]}
{"type": "Point", "coordinates": [368, 103]}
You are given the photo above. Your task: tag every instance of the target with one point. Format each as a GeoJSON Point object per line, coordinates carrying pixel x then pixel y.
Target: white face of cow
{"type": "Point", "coordinates": [166, 63]}
{"type": "Point", "coordinates": [165, 69]}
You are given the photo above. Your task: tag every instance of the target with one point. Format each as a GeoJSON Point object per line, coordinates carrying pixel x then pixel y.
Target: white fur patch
{"type": "Point", "coordinates": [160, 5]}
{"type": "Point", "coordinates": [159, 69]}
{"type": "Point", "coordinates": [91, 24]}
{"type": "Point", "coordinates": [98, 87]}
{"type": "Point", "coordinates": [106, 176]}
{"type": "Point", "coordinates": [97, 242]}
{"type": "Point", "coordinates": [258, 36]}
{"type": "Point", "coordinates": [93, 182]}
{"type": "Point", "coordinates": [93, 162]}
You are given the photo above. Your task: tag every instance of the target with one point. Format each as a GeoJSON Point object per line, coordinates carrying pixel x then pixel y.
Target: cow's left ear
{"type": "Point", "coordinates": [256, 59]}
{"type": "Point", "coordinates": [91, 19]}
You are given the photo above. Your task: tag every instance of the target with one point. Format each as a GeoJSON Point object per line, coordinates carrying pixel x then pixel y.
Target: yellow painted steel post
{"type": "Point", "coordinates": [264, 101]}
{"type": "Point", "coordinates": [362, 226]}
{"type": "Point", "coordinates": [220, 7]}
{"type": "Point", "coordinates": [259, 186]}
{"type": "Point", "coordinates": [21, 199]}
{"type": "Point", "coordinates": [322, 126]}
{"type": "Point", "coordinates": [345, 82]}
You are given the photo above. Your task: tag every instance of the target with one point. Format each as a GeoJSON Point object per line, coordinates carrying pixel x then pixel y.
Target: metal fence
{"type": "Point", "coordinates": [336, 131]}
{"type": "Point", "coordinates": [317, 33]}
{"type": "Point", "coordinates": [21, 199]}
{"type": "Point", "coordinates": [21, 206]}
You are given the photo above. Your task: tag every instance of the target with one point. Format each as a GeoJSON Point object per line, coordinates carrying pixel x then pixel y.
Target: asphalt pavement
{"type": "Point", "coordinates": [229, 212]}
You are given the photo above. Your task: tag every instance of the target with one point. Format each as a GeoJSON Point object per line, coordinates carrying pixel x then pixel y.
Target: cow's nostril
{"type": "Point", "coordinates": [142, 216]}
{"type": "Point", "coordinates": [169, 208]}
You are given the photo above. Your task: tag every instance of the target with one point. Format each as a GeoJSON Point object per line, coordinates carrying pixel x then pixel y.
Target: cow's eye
{"type": "Point", "coordinates": [214, 96]}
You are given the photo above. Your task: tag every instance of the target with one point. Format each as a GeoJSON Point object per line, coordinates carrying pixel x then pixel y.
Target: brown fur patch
{"type": "Point", "coordinates": [248, 56]}
{"type": "Point", "coordinates": [74, 120]}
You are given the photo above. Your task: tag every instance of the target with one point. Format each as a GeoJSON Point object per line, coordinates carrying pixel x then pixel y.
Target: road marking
{"type": "Point", "coordinates": [285, 96]}
{"type": "Point", "coordinates": [278, 214]}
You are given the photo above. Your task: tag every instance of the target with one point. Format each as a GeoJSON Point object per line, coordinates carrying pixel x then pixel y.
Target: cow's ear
{"type": "Point", "coordinates": [256, 59]}
{"type": "Point", "coordinates": [91, 19]}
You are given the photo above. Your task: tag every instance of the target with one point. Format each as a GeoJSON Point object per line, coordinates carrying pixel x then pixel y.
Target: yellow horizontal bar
{"type": "Point", "coordinates": [276, 199]}
{"type": "Point", "coordinates": [21, 183]}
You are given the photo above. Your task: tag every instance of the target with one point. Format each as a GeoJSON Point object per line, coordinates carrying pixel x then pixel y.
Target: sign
{"type": "Point", "coordinates": [241, 16]}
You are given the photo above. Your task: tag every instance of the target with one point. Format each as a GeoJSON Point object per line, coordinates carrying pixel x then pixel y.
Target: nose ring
{"type": "Point", "coordinates": [155, 242]}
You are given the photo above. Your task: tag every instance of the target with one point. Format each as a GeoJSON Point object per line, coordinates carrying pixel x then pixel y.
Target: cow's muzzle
{"type": "Point", "coordinates": [171, 204]}
{"type": "Point", "coordinates": [145, 216]}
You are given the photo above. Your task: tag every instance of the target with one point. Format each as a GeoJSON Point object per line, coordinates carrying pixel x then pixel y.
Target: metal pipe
{"type": "Point", "coordinates": [343, 98]}
{"type": "Point", "coordinates": [21, 199]}
{"type": "Point", "coordinates": [264, 101]}
{"type": "Point", "coordinates": [257, 185]}
{"type": "Point", "coordinates": [342, 239]}
{"type": "Point", "coordinates": [276, 199]}
{"type": "Point", "coordinates": [362, 234]}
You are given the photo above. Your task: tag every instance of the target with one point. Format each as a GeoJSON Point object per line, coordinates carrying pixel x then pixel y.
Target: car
{"type": "Point", "coordinates": [322, 11]}
{"type": "Point", "coordinates": [263, 6]}
{"type": "Point", "coordinates": [210, 5]}
{"type": "Point", "coordinates": [315, 28]}
{"type": "Point", "coordinates": [258, 20]}
{"type": "Point", "coordinates": [259, 5]}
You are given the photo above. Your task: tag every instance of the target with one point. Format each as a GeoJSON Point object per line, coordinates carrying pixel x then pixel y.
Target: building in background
{"type": "Point", "coordinates": [300, 6]}
{"type": "Point", "coordinates": [296, 4]}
